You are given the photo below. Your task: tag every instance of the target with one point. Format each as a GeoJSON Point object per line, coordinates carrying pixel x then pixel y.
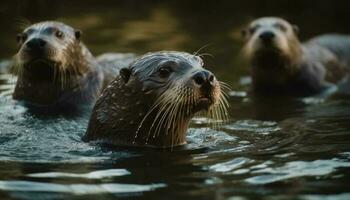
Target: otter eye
{"type": "Point", "coordinates": [21, 37]}
{"type": "Point", "coordinates": [164, 72]}
{"type": "Point", "coordinates": [59, 34]}
{"type": "Point", "coordinates": [253, 29]}
{"type": "Point", "coordinates": [281, 27]}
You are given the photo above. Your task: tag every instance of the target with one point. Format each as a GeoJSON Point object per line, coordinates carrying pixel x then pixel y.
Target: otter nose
{"type": "Point", "coordinates": [203, 78]}
{"type": "Point", "coordinates": [266, 36]}
{"type": "Point", "coordinates": [36, 44]}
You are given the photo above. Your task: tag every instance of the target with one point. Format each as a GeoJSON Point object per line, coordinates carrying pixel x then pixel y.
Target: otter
{"type": "Point", "coordinates": [151, 102]}
{"type": "Point", "coordinates": [282, 64]}
{"type": "Point", "coordinates": [55, 69]}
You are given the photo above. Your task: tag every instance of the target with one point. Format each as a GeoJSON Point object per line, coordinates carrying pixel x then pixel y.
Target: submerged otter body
{"type": "Point", "coordinates": [152, 102]}
{"type": "Point", "coordinates": [281, 64]}
{"type": "Point", "coordinates": [55, 69]}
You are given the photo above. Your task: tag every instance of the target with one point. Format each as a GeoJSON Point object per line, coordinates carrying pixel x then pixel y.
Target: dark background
{"type": "Point", "coordinates": [142, 26]}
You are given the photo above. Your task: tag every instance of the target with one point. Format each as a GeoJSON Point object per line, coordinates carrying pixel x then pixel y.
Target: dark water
{"type": "Point", "coordinates": [272, 147]}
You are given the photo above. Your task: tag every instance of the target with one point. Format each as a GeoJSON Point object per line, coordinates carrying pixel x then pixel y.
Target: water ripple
{"type": "Point", "coordinates": [229, 165]}
{"type": "Point", "coordinates": [296, 169]}
{"type": "Point", "coordinates": [92, 175]}
{"type": "Point", "coordinates": [77, 189]}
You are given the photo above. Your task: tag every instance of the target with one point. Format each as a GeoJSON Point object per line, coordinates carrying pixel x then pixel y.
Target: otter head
{"type": "Point", "coordinates": [46, 48]}
{"type": "Point", "coordinates": [176, 77]}
{"type": "Point", "coordinates": [51, 62]}
{"type": "Point", "coordinates": [160, 93]}
{"type": "Point", "coordinates": [272, 47]}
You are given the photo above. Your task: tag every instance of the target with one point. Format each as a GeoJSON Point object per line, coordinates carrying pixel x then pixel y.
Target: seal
{"type": "Point", "coordinates": [282, 64]}
{"type": "Point", "coordinates": [56, 69]}
{"type": "Point", "coordinates": [151, 102]}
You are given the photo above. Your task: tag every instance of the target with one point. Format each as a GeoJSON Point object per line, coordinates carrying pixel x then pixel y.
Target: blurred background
{"type": "Point", "coordinates": [271, 148]}
{"type": "Point", "coordinates": [151, 25]}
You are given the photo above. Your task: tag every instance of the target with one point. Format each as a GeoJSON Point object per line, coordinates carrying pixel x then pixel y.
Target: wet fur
{"type": "Point", "coordinates": [293, 67]}
{"type": "Point", "coordinates": [67, 76]}
{"type": "Point", "coordinates": [135, 114]}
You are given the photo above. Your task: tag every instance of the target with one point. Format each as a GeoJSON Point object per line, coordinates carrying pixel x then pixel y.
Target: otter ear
{"type": "Point", "coordinates": [19, 38]}
{"type": "Point", "coordinates": [125, 73]}
{"type": "Point", "coordinates": [78, 34]}
{"type": "Point", "coordinates": [295, 29]}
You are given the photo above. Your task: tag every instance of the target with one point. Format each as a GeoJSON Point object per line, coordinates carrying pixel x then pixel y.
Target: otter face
{"type": "Point", "coordinates": [177, 86]}
{"type": "Point", "coordinates": [270, 34]}
{"type": "Point", "coordinates": [46, 44]}
{"type": "Point", "coordinates": [175, 75]}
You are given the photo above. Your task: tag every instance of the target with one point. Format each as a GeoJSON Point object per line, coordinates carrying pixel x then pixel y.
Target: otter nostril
{"type": "Point", "coordinates": [203, 77]}
{"type": "Point", "coordinates": [267, 36]}
{"type": "Point", "coordinates": [30, 44]}
{"type": "Point", "coordinates": [211, 78]}
{"type": "Point", "coordinates": [42, 43]}
{"type": "Point", "coordinates": [199, 78]}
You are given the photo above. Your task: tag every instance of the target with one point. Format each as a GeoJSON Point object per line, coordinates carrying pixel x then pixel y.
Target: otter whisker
{"type": "Point", "coordinates": [164, 101]}
{"type": "Point", "coordinates": [223, 105]}
{"type": "Point", "coordinates": [175, 100]}
{"type": "Point", "coordinates": [222, 111]}
{"type": "Point", "coordinates": [218, 112]}
{"type": "Point", "coordinates": [173, 114]}
{"type": "Point", "coordinates": [200, 49]}
{"type": "Point", "coordinates": [161, 121]}
{"type": "Point", "coordinates": [177, 120]}
{"type": "Point", "coordinates": [165, 113]}
{"type": "Point", "coordinates": [206, 54]}
{"type": "Point", "coordinates": [172, 121]}
{"type": "Point", "coordinates": [224, 100]}
{"type": "Point", "coordinates": [221, 116]}
{"type": "Point", "coordinates": [153, 107]}
{"type": "Point", "coordinates": [179, 110]}
{"type": "Point", "coordinates": [162, 107]}
{"type": "Point", "coordinates": [224, 84]}
{"type": "Point", "coordinates": [225, 87]}
{"type": "Point", "coordinates": [216, 118]}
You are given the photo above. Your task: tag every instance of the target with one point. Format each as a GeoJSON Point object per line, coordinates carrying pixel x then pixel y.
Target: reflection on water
{"type": "Point", "coordinates": [76, 189]}
{"type": "Point", "coordinates": [271, 148]}
{"type": "Point", "coordinates": [91, 175]}
{"type": "Point", "coordinates": [296, 169]}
